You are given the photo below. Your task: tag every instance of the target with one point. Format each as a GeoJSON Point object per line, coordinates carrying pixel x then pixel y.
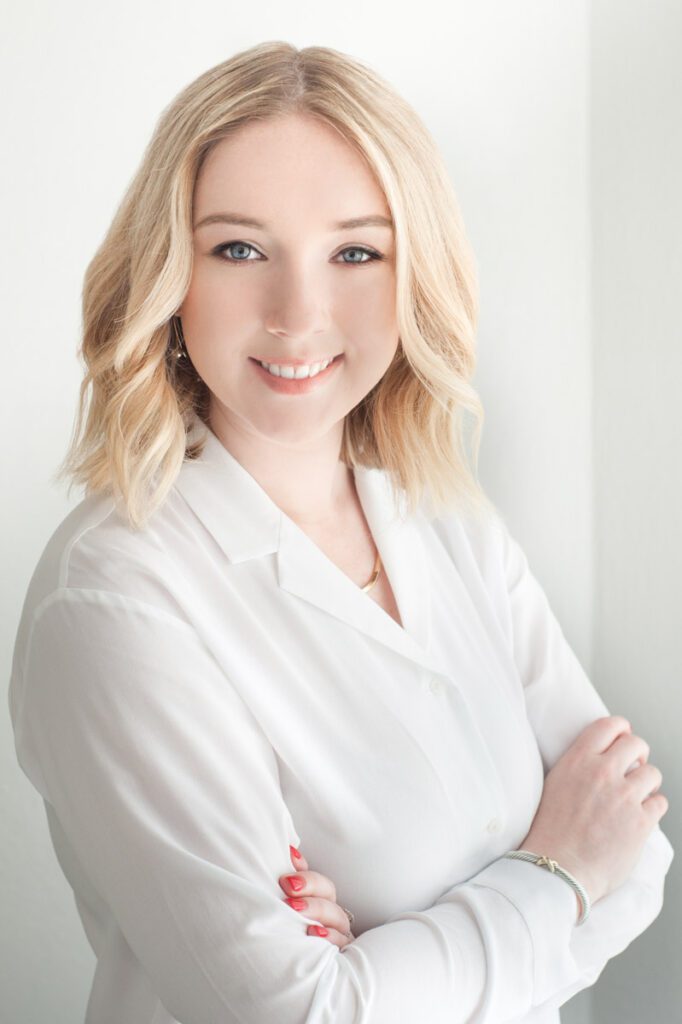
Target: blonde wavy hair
{"type": "Point", "coordinates": [131, 433]}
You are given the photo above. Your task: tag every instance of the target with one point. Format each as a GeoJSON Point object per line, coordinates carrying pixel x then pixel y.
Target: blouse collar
{"type": "Point", "coordinates": [248, 524]}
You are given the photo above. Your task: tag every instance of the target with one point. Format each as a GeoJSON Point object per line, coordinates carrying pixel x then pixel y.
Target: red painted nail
{"type": "Point", "coordinates": [319, 930]}
{"type": "Point", "coordinates": [296, 902]}
{"type": "Point", "coordinates": [295, 881]}
{"type": "Point", "coordinates": [295, 852]}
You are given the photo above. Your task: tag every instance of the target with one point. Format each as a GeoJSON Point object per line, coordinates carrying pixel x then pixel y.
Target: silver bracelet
{"type": "Point", "coordinates": [551, 865]}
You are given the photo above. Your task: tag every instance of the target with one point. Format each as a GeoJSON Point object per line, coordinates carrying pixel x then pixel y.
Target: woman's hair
{"type": "Point", "coordinates": [133, 438]}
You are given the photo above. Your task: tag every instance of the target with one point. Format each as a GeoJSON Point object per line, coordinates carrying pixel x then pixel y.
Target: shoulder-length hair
{"type": "Point", "coordinates": [132, 431]}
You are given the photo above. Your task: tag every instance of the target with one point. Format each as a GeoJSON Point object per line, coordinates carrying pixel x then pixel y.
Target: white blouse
{"type": "Point", "coordinates": [191, 698]}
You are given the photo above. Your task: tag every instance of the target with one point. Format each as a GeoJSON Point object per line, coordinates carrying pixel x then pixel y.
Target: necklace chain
{"type": "Point", "coordinates": [375, 573]}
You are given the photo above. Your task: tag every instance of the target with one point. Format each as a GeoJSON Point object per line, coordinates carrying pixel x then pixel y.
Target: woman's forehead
{"type": "Point", "coordinates": [270, 173]}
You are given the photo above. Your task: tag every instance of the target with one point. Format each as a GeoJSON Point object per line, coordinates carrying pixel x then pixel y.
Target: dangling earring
{"type": "Point", "coordinates": [178, 351]}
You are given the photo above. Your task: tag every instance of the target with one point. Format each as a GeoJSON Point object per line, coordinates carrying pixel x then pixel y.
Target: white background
{"type": "Point", "coordinates": [561, 127]}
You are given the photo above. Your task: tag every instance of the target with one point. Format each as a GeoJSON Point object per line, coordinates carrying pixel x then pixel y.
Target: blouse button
{"type": "Point", "coordinates": [493, 825]}
{"type": "Point", "coordinates": [435, 685]}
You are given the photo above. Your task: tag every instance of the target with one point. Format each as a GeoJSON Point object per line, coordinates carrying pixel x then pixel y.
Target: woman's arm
{"type": "Point", "coordinates": [169, 793]}
{"type": "Point", "coordinates": [560, 701]}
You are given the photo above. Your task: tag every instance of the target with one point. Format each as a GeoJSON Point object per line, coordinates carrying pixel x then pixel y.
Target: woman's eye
{"type": "Point", "coordinates": [240, 247]}
{"type": "Point", "coordinates": [234, 245]}
{"type": "Point", "coordinates": [363, 251]}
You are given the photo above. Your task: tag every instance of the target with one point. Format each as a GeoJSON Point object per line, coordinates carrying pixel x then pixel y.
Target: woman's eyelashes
{"type": "Point", "coordinates": [221, 250]}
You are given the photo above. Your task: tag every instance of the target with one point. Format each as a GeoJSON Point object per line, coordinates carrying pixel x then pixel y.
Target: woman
{"type": "Point", "coordinates": [286, 615]}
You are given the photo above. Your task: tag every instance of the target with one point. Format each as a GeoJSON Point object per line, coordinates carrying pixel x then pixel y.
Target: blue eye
{"type": "Point", "coordinates": [361, 249]}
{"type": "Point", "coordinates": [229, 245]}
{"type": "Point", "coordinates": [222, 249]}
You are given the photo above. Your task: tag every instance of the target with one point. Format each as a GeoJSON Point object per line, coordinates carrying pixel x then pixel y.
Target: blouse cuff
{"type": "Point", "coordinates": [549, 908]}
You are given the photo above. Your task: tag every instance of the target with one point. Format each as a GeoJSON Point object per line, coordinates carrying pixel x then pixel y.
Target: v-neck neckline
{"type": "Point", "coordinates": [248, 524]}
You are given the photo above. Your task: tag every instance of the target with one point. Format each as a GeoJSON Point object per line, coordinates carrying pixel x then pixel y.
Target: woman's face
{"type": "Point", "coordinates": [297, 289]}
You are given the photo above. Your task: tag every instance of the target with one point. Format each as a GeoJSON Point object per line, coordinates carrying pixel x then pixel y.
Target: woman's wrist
{"type": "Point", "coordinates": [548, 863]}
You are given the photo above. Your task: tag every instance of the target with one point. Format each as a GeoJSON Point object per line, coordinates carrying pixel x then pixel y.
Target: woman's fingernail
{"type": "Point", "coordinates": [295, 881]}
{"type": "Point", "coordinates": [296, 902]}
{"type": "Point", "coordinates": [319, 929]}
{"type": "Point", "coordinates": [295, 852]}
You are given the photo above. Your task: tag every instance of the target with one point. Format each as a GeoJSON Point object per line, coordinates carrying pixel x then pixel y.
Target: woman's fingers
{"type": "Point", "coordinates": [307, 882]}
{"type": "Point", "coordinates": [297, 859]}
{"type": "Point", "coordinates": [329, 914]}
{"type": "Point", "coordinates": [339, 939]}
{"type": "Point", "coordinates": [316, 897]}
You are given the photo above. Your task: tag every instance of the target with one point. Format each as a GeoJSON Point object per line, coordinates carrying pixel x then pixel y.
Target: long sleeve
{"type": "Point", "coordinates": [168, 791]}
{"type": "Point", "coordinates": [560, 702]}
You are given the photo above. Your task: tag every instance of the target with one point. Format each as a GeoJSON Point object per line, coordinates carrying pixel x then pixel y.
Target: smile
{"type": "Point", "coordinates": [296, 372]}
{"type": "Point", "coordinates": [299, 379]}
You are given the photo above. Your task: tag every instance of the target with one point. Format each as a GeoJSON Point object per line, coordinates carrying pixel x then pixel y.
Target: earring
{"type": "Point", "coordinates": [179, 351]}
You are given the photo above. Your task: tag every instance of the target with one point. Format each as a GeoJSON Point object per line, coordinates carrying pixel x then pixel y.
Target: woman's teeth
{"type": "Point", "coordinates": [296, 372]}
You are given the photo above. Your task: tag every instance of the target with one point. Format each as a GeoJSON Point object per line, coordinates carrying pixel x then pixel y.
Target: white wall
{"type": "Point", "coordinates": [636, 140]}
{"type": "Point", "coordinates": [505, 90]}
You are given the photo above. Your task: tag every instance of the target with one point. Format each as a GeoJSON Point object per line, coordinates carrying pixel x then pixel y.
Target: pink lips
{"type": "Point", "coordinates": [292, 386]}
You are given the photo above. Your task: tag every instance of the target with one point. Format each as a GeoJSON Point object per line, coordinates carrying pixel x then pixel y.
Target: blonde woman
{"type": "Point", "coordinates": [284, 669]}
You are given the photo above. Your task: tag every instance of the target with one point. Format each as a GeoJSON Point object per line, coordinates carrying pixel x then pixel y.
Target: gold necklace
{"type": "Point", "coordinates": [375, 573]}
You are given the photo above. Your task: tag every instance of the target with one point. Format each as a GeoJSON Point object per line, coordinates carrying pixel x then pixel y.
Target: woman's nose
{"type": "Point", "coordinates": [298, 306]}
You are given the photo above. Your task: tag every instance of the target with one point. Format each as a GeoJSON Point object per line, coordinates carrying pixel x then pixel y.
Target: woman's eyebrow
{"type": "Point", "coordinates": [371, 220]}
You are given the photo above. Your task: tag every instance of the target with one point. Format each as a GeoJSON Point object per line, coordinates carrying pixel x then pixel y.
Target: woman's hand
{"type": "Point", "coordinates": [599, 803]}
{"type": "Point", "coordinates": [316, 898]}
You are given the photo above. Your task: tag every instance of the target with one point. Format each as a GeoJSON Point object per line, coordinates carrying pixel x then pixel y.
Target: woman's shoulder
{"type": "Point", "coordinates": [94, 548]}
{"type": "Point", "coordinates": [473, 537]}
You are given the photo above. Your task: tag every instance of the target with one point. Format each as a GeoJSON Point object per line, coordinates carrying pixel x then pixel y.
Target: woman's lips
{"type": "Point", "coordinates": [291, 386]}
